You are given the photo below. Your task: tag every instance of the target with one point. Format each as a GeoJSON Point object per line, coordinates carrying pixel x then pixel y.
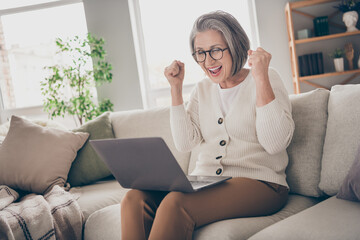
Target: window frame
{"type": "Point", "coordinates": [5, 114]}
{"type": "Point", "coordinates": [149, 94]}
{"type": "Point", "coordinates": [38, 6]}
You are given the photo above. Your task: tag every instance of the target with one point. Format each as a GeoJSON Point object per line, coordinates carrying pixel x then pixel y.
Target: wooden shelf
{"type": "Point", "coordinates": [301, 8]}
{"type": "Point", "coordinates": [331, 36]}
{"type": "Point", "coordinates": [332, 74]}
{"type": "Point", "coordinates": [307, 3]}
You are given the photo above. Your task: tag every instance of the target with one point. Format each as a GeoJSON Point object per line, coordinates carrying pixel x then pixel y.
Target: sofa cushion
{"type": "Point", "coordinates": [148, 123]}
{"type": "Point", "coordinates": [98, 195]}
{"type": "Point", "coordinates": [309, 111]}
{"type": "Point", "coordinates": [331, 219]}
{"type": "Point", "coordinates": [87, 166]}
{"type": "Point", "coordinates": [350, 189]}
{"type": "Point", "coordinates": [35, 158]}
{"type": "Point", "coordinates": [105, 223]}
{"type": "Point", "coordinates": [342, 136]}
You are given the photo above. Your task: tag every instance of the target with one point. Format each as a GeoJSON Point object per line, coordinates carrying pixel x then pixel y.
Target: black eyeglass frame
{"type": "Point", "coordinates": [209, 51]}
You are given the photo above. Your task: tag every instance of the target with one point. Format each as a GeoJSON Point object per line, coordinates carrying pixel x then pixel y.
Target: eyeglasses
{"type": "Point", "coordinates": [215, 53]}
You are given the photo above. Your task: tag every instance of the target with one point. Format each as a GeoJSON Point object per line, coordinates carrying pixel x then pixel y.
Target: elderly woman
{"type": "Point", "coordinates": [241, 120]}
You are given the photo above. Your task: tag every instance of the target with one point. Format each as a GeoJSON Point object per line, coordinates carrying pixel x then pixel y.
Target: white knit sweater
{"type": "Point", "coordinates": [255, 138]}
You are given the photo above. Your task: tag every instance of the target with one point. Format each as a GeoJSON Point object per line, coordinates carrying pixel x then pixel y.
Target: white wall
{"type": "Point", "coordinates": [110, 19]}
{"type": "Point", "coordinates": [273, 38]}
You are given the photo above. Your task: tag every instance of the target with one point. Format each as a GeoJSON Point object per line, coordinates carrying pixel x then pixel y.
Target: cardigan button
{"type": "Point", "coordinates": [222, 143]}
{"type": "Point", "coordinates": [218, 171]}
{"type": "Point", "coordinates": [218, 157]}
{"type": "Point", "coordinates": [220, 120]}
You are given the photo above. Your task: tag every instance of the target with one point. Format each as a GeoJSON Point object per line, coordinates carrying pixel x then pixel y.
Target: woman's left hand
{"type": "Point", "coordinates": [259, 61]}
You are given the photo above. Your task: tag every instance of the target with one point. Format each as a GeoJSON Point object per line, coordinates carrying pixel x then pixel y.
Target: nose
{"type": "Point", "coordinates": [209, 60]}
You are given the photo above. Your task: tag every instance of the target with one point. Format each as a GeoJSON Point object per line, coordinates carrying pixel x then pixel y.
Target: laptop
{"type": "Point", "coordinates": [148, 164]}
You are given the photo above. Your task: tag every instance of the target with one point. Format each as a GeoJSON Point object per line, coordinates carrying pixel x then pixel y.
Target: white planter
{"type": "Point", "coordinates": [350, 19]}
{"type": "Point", "coordinates": [339, 64]}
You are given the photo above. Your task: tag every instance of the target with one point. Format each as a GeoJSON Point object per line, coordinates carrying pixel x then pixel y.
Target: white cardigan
{"type": "Point", "coordinates": [248, 142]}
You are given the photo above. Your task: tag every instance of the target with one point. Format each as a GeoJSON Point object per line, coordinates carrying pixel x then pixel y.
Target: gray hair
{"type": "Point", "coordinates": [235, 36]}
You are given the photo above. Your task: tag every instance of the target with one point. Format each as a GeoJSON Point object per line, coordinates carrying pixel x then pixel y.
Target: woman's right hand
{"type": "Point", "coordinates": [175, 73]}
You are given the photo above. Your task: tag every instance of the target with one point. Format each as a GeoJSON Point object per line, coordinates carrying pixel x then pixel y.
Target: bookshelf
{"type": "Point", "coordinates": [321, 43]}
{"type": "Point", "coordinates": [327, 37]}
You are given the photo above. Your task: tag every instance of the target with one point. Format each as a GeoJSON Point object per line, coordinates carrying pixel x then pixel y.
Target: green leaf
{"type": "Point", "coordinates": [77, 79]}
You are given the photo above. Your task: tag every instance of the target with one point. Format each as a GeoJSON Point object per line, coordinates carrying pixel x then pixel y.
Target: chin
{"type": "Point", "coordinates": [215, 79]}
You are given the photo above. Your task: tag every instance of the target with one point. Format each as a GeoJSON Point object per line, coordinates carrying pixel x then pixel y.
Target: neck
{"type": "Point", "coordinates": [235, 80]}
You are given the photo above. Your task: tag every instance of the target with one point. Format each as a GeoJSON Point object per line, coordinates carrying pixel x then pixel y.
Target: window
{"type": "Point", "coordinates": [28, 30]}
{"type": "Point", "coordinates": [9, 4]}
{"type": "Point", "coordinates": [161, 31]}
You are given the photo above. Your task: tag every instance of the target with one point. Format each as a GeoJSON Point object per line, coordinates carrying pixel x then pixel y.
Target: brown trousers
{"type": "Point", "coordinates": [159, 215]}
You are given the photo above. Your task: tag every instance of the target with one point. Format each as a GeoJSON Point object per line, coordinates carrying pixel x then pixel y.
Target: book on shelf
{"type": "Point", "coordinates": [320, 62]}
{"type": "Point", "coordinates": [311, 64]}
{"type": "Point", "coordinates": [301, 66]}
{"type": "Point", "coordinates": [314, 62]}
{"type": "Point", "coordinates": [321, 26]}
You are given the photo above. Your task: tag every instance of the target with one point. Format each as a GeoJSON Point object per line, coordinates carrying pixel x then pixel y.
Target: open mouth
{"type": "Point", "coordinates": [215, 70]}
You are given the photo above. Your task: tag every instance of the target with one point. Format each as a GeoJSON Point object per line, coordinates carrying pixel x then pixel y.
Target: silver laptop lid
{"type": "Point", "coordinates": [142, 163]}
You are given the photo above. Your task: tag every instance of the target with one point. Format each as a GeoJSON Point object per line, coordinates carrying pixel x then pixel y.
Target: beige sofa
{"type": "Point", "coordinates": [324, 145]}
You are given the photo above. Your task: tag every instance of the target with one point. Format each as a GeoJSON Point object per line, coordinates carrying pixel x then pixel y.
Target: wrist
{"type": "Point", "coordinates": [176, 89]}
{"type": "Point", "coordinates": [176, 95]}
{"type": "Point", "coordinates": [262, 76]}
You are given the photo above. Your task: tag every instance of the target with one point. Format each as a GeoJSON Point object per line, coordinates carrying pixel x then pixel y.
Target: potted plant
{"type": "Point", "coordinates": [338, 56]}
{"type": "Point", "coordinates": [350, 9]}
{"type": "Point", "coordinates": [69, 88]}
